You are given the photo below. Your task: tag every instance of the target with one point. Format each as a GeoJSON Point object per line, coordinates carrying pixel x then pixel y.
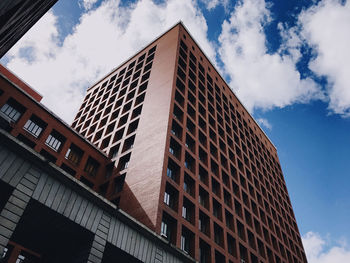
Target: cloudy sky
{"type": "Point", "coordinates": [287, 61]}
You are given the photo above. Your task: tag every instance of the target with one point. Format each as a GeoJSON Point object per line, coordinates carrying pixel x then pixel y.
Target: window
{"type": "Point", "coordinates": [203, 175]}
{"type": "Point", "coordinates": [129, 143]}
{"type": "Point", "coordinates": [215, 187]}
{"type": "Point", "coordinates": [190, 143]}
{"type": "Point", "coordinates": [173, 170]}
{"type": "Point", "coordinates": [34, 126]}
{"type": "Point", "coordinates": [188, 210]}
{"type": "Point", "coordinates": [186, 243]}
{"type": "Point", "coordinates": [244, 254]}
{"type": "Point", "coordinates": [231, 245]}
{"type": "Point", "coordinates": [171, 197]}
{"type": "Point", "coordinates": [167, 198]}
{"type": "Point", "coordinates": [168, 228]}
{"type": "Point", "coordinates": [217, 210]}
{"type": "Point", "coordinates": [164, 229]}
{"type": "Point", "coordinates": [170, 173]}
{"type": "Point", "coordinates": [218, 235]}
{"type": "Point", "coordinates": [189, 162]}
{"type": "Point", "coordinates": [229, 221]}
{"type": "Point", "coordinates": [204, 252]}
{"type": "Point", "coordinates": [114, 151]}
{"type": "Point", "coordinates": [204, 223]}
{"type": "Point", "coordinates": [124, 162]}
{"type": "Point", "coordinates": [240, 230]}
{"type": "Point", "coordinates": [74, 154]}
{"type": "Point", "coordinates": [55, 140]}
{"type": "Point", "coordinates": [176, 130]}
{"type": "Point", "coordinates": [219, 257]}
{"type": "Point", "coordinates": [175, 148]}
{"type": "Point", "coordinates": [189, 185]}
{"type": "Point", "coordinates": [203, 198]}
{"type": "Point", "coordinates": [185, 214]}
{"type": "Point", "coordinates": [91, 166]}
{"type": "Point", "coordinates": [13, 110]}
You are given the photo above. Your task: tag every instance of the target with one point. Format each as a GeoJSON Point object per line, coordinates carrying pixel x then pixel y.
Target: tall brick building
{"type": "Point", "coordinates": [197, 168]}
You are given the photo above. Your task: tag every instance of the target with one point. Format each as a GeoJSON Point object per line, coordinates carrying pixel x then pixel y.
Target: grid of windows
{"type": "Point", "coordinates": [216, 144]}
{"type": "Point", "coordinates": [32, 129]}
{"type": "Point", "coordinates": [110, 113]}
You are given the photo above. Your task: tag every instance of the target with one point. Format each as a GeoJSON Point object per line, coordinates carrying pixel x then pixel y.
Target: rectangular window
{"type": "Point", "coordinates": [187, 241]}
{"type": "Point", "coordinates": [124, 162]}
{"type": "Point", "coordinates": [170, 173]}
{"type": "Point", "coordinates": [168, 228]}
{"type": "Point", "coordinates": [74, 154]}
{"type": "Point", "coordinates": [184, 244]}
{"type": "Point", "coordinates": [12, 110]}
{"type": "Point", "coordinates": [204, 223]}
{"type": "Point", "coordinates": [172, 170]}
{"type": "Point", "coordinates": [171, 197]}
{"type": "Point", "coordinates": [91, 166]}
{"type": "Point", "coordinates": [34, 126]}
{"type": "Point", "coordinates": [164, 229]}
{"type": "Point", "coordinates": [55, 140]}
{"type": "Point", "coordinates": [167, 198]}
{"type": "Point", "coordinates": [184, 212]}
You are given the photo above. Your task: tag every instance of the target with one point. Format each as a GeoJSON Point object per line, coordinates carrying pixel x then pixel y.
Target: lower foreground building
{"type": "Point", "coordinates": [164, 140]}
{"type": "Point", "coordinates": [49, 208]}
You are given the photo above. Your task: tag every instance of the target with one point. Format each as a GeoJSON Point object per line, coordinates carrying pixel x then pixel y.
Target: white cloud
{"type": "Point", "coordinates": [87, 4]}
{"type": "Point", "coordinates": [318, 251]}
{"type": "Point", "coordinates": [260, 79]}
{"type": "Point", "coordinates": [326, 28]}
{"type": "Point", "coordinates": [212, 4]}
{"type": "Point", "coordinates": [265, 123]}
{"type": "Point", "coordinates": [104, 37]}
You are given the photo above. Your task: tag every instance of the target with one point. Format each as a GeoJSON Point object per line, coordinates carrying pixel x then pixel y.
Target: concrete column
{"type": "Point", "coordinates": [100, 239]}
{"type": "Point", "coordinates": [15, 206]}
{"type": "Point", "coordinates": [159, 255]}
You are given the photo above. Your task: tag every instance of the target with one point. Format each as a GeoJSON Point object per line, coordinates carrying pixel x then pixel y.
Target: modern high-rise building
{"type": "Point", "coordinates": [197, 168]}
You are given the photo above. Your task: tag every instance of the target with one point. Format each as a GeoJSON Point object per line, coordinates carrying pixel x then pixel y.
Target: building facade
{"type": "Point", "coordinates": [50, 210]}
{"type": "Point", "coordinates": [198, 169]}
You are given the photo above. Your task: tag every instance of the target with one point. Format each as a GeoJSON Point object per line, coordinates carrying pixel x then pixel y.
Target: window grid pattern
{"type": "Point", "coordinates": [247, 184]}
{"type": "Point", "coordinates": [111, 110]}
{"type": "Point", "coordinates": [41, 136]}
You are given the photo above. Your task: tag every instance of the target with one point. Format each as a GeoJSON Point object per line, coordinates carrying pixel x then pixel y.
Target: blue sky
{"type": "Point", "coordinates": [287, 61]}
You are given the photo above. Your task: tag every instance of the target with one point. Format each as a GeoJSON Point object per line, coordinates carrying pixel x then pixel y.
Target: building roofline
{"type": "Point", "coordinates": [21, 83]}
{"type": "Point", "coordinates": [129, 58]}
{"type": "Point", "coordinates": [213, 65]}
{"type": "Point", "coordinates": [210, 61]}
{"type": "Point", "coordinates": [50, 112]}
